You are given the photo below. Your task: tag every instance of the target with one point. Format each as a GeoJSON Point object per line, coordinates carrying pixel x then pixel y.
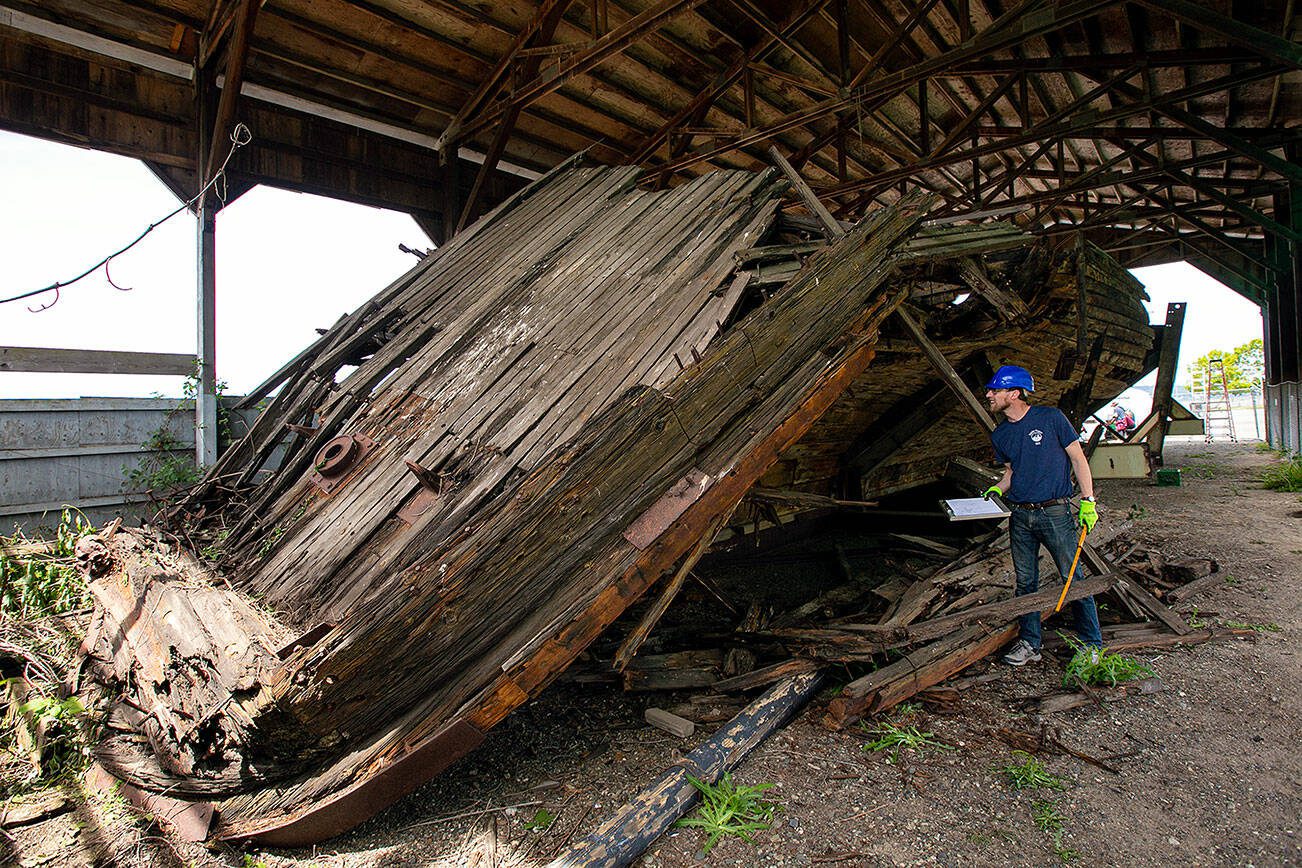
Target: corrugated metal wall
{"type": "Point", "coordinates": [1284, 416]}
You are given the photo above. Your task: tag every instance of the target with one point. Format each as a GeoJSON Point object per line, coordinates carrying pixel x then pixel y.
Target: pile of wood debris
{"type": "Point", "coordinates": [909, 613]}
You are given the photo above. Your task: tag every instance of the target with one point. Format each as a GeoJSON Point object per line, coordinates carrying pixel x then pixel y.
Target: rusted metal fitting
{"type": "Point", "coordinates": [337, 455]}
{"type": "Point", "coordinates": [336, 458]}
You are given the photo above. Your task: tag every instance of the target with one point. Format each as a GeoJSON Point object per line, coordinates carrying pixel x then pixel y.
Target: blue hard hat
{"type": "Point", "coordinates": [1012, 377]}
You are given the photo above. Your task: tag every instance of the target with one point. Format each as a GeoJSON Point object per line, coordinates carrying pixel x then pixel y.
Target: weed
{"type": "Point", "coordinates": [1260, 628]}
{"type": "Point", "coordinates": [48, 730]}
{"type": "Point", "coordinates": [893, 737]}
{"type": "Point", "coordinates": [269, 543]}
{"type": "Point", "coordinates": [542, 819]}
{"type": "Point", "coordinates": [1101, 666]}
{"type": "Point", "coordinates": [1063, 852]}
{"type": "Point", "coordinates": [728, 808]}
{"type": "Point", "coordinates": [1195, 620]}
{"type": "Point", "coordinates": [39, 583]}
{"type": "Point", "coordinates": [906, 710]}
{"type": "Point", "coordinates": [1207, 470]}
{"type": "Point", "coordinates": [1030, 774]}
{"type": "Point", "coordinates": [250, 862]}
{"type": "Point", "coordinates": [1230, 581]}
{"type": "Point", "coordinates": [1046, 815]}
{"type": "Point", "coordinates": [1136, 512]}
{"type": "Point", "coordinates": [168, 464]}
{"type": "Point", "coordinates": [1285, 476]}
{"type": "Point", "coordinates": [213, 550]}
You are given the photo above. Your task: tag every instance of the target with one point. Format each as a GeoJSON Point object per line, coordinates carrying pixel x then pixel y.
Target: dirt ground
{"type": "Point", "coordinates": [1206, 772]}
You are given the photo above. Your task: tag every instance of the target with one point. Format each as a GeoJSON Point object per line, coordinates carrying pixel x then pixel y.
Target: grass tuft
{"type": "Point", "coordinates": [1284, 476]}
{"type": "Point", "coordinates": [728, 808]}
{"type": "Point", "coordinates": [894, 736]}
{"type": "Point", "coordinates": [1047, 816]}
{"type": "Point", "coordinates": [1101, 666]}
{"type": "Point", "coordinates": [1030, 774]}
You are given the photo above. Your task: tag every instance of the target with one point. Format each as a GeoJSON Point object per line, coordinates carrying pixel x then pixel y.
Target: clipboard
{"type": "Point", "coordinates": [971, 508]}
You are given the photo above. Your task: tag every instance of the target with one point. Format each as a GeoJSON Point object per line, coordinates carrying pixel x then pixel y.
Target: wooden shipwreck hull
{"type": "Point", "coordinates": [546, 415]}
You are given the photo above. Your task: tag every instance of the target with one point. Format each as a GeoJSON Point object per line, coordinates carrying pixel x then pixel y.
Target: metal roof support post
{"type": "Point", "coordinates": [205, 403]}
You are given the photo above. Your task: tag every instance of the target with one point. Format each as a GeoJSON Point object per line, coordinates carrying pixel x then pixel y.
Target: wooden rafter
{"type": "Point", "coordinates": [607, 46]}
{"type": "Point", "coordinates": [1235, 32]}
{"type": "Point", "coordinates": [1082, 122]}
{"type": "Point", "coordinates": [724, 80]}
{"type": "Point", "coordinates": [539, 32]}
{"type": "Point", "coordinates": [220, 143]}
{"type": "Point", "coordinates": [995, 38]}
{"type": "Point", "coordinates": [545, 19]}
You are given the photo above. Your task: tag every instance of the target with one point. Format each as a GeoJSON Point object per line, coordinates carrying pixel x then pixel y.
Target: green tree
{"type": "Point", "coordinates": [1244, 368]}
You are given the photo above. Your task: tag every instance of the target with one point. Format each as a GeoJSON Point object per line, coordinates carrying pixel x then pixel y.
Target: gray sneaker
{"type": "Point", "coordinates": [1021, 653]}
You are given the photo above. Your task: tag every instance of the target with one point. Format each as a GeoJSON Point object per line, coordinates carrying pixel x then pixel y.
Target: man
{"type": "Point", "coordinates": [1039, 449]}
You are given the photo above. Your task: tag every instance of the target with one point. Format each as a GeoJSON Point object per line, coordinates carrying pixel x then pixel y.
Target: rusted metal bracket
{"type": "Point", "coordinates": [665, 511]}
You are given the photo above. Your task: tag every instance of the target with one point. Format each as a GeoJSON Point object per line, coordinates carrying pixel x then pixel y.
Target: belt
{"type": "Point", "coordinates": [1043, 504]}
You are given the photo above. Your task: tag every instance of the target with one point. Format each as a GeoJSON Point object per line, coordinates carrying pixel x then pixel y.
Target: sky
{"type": "Point", "coordinates": [287, 264]}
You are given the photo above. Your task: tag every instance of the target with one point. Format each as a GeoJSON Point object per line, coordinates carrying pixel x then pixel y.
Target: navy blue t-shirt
{"type": "Point", "coordinates": [1034, 445]}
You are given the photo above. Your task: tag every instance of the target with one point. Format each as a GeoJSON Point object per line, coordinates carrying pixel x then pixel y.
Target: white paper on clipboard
{"type": "Point", "coordinates": [967, 508]}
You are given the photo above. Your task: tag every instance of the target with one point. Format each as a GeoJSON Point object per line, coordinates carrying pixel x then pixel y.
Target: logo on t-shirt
{"type": "Point", "coordinates": [1036, 436]}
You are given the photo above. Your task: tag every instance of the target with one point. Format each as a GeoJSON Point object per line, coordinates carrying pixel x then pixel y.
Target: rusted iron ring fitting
{"type": "Point", "coordinates": [337, 455]}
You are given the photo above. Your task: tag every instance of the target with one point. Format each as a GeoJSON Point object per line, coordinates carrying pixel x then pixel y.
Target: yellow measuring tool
{"type": "Point", "coordinates": [1080, 545]}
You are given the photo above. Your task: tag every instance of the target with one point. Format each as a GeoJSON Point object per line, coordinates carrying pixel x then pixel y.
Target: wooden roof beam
{"type": "Point", "coordinates": [1279, 165]}
{"type": "Point", "coordinates": [1162, 59]}
{"type": "Point", "coordinates": [543, 25]}
{"type": "Point", "coordinates": [1082, 121]}
{"type": "Point", "coordinates": [1238, 208]}
{"type": "Point", "coordinates": [997, 37]}
{"type": "Point", "coordinates": [1182, 215]}
{"type": "Point", "coordinates": [549, 15]}
{"type": "Point", "coordinates": [1021, 203]}
{"type": "Point", "coordinates": [1203, 18]}
{"type": "Point", "coordinates": [1210, 252]}
{"type": "Point", "coordinates": [220, 143]}
{"type": "Point", "coordinates": [723, 81]}
{"type": "Point", "coordinates": [611, 44]}
{"type": "Point", "coordinates": [1090, 180]}
{"type": "Point", "coordinates": [761, 19]}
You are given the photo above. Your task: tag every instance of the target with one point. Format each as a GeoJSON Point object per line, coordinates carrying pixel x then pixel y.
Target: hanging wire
{"type": "Point", "coordinates": [240, 136]}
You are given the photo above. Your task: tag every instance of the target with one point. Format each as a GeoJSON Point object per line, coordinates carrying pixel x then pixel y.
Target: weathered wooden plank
{"type": "Point", "coordinates": [64, 361]}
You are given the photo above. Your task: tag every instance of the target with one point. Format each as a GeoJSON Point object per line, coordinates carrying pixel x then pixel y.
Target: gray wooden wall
{"type": "Point", "coordinates": [76, 452]}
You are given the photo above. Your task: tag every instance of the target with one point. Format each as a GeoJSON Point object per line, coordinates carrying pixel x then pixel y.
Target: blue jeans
{"type": "Point", "coordinates": [1055, 527]}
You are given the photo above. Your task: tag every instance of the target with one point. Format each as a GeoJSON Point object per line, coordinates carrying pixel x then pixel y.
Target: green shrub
{"type": "Point", "coordinates": [36, 584]}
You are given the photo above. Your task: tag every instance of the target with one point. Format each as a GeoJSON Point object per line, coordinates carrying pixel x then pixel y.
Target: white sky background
{"type": "Point", "coordinates": [287, 263]}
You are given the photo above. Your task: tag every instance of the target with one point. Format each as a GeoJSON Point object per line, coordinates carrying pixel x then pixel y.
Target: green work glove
{"type": "Point", "coordinates": [992, 491]}
{"type": "Point", "coordinates": [1089, 514]}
